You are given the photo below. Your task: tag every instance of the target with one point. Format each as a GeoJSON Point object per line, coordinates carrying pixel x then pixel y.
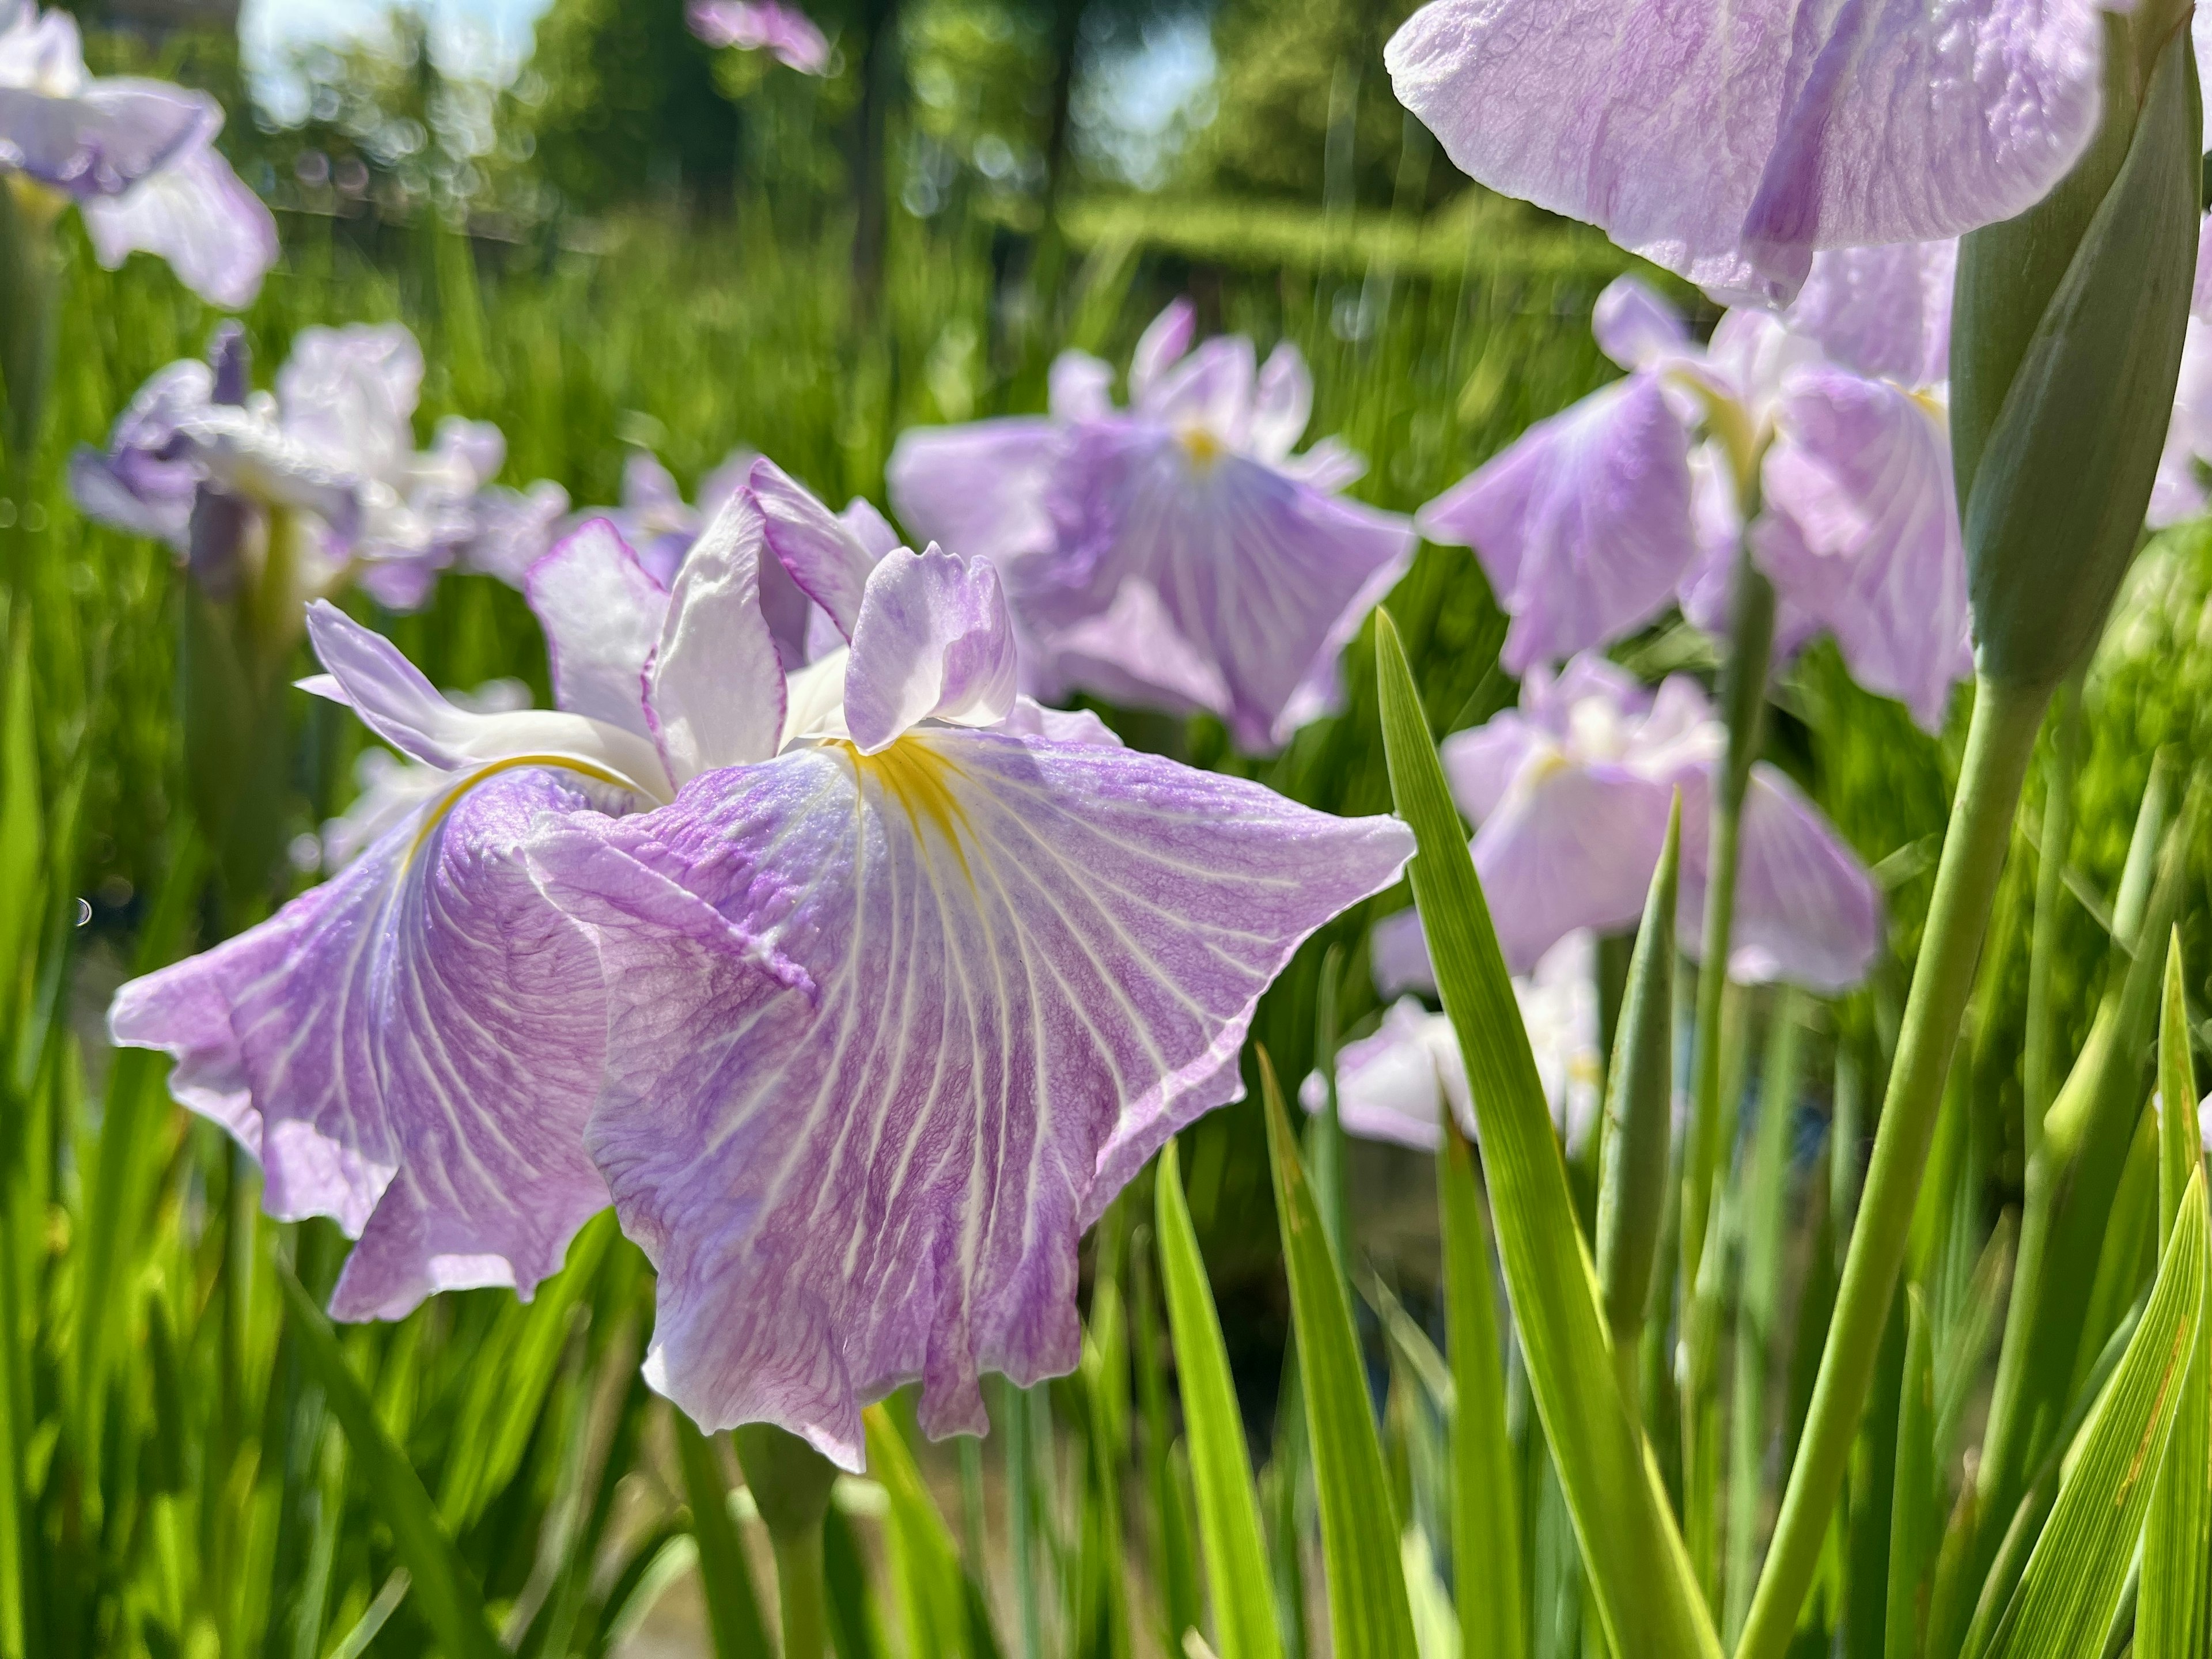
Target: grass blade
{"type": "Point", "coordinates": [1236, 1552]}
{"type": "Point", "coordinates": [1368, 1610]}
{"type": "Point", "coordinates": [733, 1616]}
{"type": "Point", "coordinates": [1916, 1515]}
{"type": "Point", "coordinates": [945, 1610]}
{"type": "Point", "coordinates": [444, 1593]}
{"type": "Point", "coordinates": [2073, 1581]}
{"type": "Point", "coordinates": [1487, 1568]}
{"type": "Point", "coordinates": [2174, 1605]}
{"type": "Point", "coordinates": [1639, 1571]}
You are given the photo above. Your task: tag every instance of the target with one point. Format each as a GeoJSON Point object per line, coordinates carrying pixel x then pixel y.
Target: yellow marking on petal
{"type": "Point", "coordinates": [1201, 444]}
{"type": "Point", "coordinates": [916, 774]}
{"type": "Point", "coordinates": [452, 796]}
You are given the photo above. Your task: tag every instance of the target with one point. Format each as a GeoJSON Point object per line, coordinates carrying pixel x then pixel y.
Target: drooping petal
{"type": "Point", "coordinates": [1582, 525]}
{"type": "Point", "coordinates": [1862, 533]}
{"type": "Point", "coordinates": [1570, 847]}
{"type": "Point", "coordinates": [1263, 576]}
{"type": "Point", "coordinates": [1132, 652]}
{"type": "Point", "coordinates": [1018, 966]}
{"type": "Point", "coordinates": [978, 489]}
{"type": "Point", "coordinates": [933, 641]}
{"type": "Point", "coordinates": [104, 138]}
{"type": "Point", "coordinates": [410, 1048]}
{"type": "Point", "coordinates": [1882, 311]}
{"type": "Point", "coordinates": [825, 556]}
{"type": "Point", "coordinates": [1396, 1084]}
{"type": "Point", "coordinates": [197, 214]}
{"type": "Point", "coordinates": [367, 673]}
{"type": "Point", "coordinates": [714, 690]}
{"type": "Point", "coordinates": [141, 482]}
{"type": "Point", "coordinates": [1807, 908]}
{"type": "Point", "coordinates": [602, 614]}
{"type": "Point", "coordinates": [1481, 764]}
{"type": "Point", "coordinates": [1729, 145]}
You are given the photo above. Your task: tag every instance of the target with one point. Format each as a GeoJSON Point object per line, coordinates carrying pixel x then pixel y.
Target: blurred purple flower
{"type": "Point", "coordinates": [1395, 1084]}
{"type": "Point", "coordinates": [763, 24]}
{"type": "Point", "coordinates": [137, 157]}
{"type": "Point", "coordinates": [2179, 492]}
{"type": "Point", "coordinates": [1728, 144]}
{"type": "Point", "coordinates": [1176, 555]}
{"type": "Point", "coordinates": [1570, 792]}
{"type": "Point", "coordinates": [892, 983]}
{"type": "Point", "coordinates": [1594, 520]}
{"type": "Point", "coordinates": [335, 445]}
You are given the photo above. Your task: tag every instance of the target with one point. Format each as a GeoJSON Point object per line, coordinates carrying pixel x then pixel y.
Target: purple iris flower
{"type": "Point", "coordinates": [1570, 792]}
{"type": "Point", "coordinates": [1730, 143]}
{"type": "Point", "coordinates": [334, 445]}
{"type": "Point", "coordinates": [137, 156]}
{"type": "Point", "coordinates": [1593, 521]}
{"type": "Point", "coordinates": [860, 989]}
{"type": "Point", "coordinates": [763, 24]}
{"type": "Point", "coordinates": [1395, 1084]}
{"type": "Point", "coordinates": [1175, 555]}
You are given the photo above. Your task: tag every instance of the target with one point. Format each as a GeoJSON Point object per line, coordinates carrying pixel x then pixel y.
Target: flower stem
{"type": "Point", "coordinates": [790, 1483]}
{"type": "Point", "coordinates": [1743, 692]}
{"type": "Point", "coordinates": [801, 1594]}
{"type": "Point", "coordinates": [1999, 742]}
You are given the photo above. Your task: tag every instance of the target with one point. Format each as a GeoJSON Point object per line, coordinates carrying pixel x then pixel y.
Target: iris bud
{"type": "Point", "coordinates": [2066, 344]}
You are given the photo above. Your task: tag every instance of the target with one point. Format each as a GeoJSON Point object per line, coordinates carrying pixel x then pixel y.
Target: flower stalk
{"type": "Point", "coordinates": [791, 1482]}
{"type": "Point", "coordinates": [2000, 740]}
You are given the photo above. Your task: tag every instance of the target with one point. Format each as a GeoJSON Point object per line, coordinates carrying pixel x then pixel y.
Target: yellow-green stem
{"type": "Point", "coordinates": [1998, 744]}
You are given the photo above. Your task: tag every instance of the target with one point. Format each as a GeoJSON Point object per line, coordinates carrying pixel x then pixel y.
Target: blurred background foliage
{"type": "Point", "coordinates": [610, 236]}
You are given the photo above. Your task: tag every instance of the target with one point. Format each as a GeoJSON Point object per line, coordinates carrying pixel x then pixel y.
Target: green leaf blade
{"type": "Point", "coordinates": [1369, 1611]}
{"type": "Point", "coordinates": [1639, 1571]}
{"type": "Point", "coordinates": [1234, 1549]}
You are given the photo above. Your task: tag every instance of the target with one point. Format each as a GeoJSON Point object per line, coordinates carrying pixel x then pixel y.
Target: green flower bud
{"type": "Point", "coordinates": [2066, 342]}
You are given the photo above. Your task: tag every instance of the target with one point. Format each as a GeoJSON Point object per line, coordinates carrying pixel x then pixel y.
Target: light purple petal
{"type": "Point", "coordinates": [1481, 764]}
{"type": "Point", "coordinates": [144, 482]}
{"type": "Point", "coordinates": [1568, 846]}
{"type": "Point", "coordinates": [933, 641]}
{"type": "Point", "coordinates": [978, 489]}
{"type": "Point", "coordinates": [1080, 387]}
{"type": "Point", "coordinates": [1636, 327]}
{"type": "Point", "coordinates": [1282, 404]}
{"type": "Point", "coordinates": [410, 1048]}
{"type": "Point", "coordinates": [514, 528]}
{"type": "Point", "coordinates": [1862, 533]}
{"type": "Point", "coordinates": [869, 528]}
{"type": "Point", "coordinates": [1262, 576]}
{"type": "Point", "coordinates": [1582, 525]}
{"type": "Point", "coordinates": [1210, 392]}
{"type": "Point", "coordinates": [1728, 144]}
{"type": "Point", "coordinates": [761, 24]}
{"type": "Point", "coordinates": [1398, 955]}
{"type": "Point", "coordinates": [1164, 342]}
{"type": "Point", "coordinates": [1132, 652]}
{"type": "Point", "coordinates": [602, 614]}
{"type": "Point", "coordinates": [1882, 311]}
{"type": "Point", "coordinates": [350, 393]}
{"type": "Point", "coordinates": [367, 673]}
{"type": "Point", "coordinates": [825, 556]}
{"type": "Point", "coordinates": [1029, 964]}
{"type": "Point", "coordinates": [195, 213]}
{"type": "Point", "coordinates": [104, 136]}
{"type": "Point", "coordinates": [1394, 1085]}
{"type": "Point", "coordinates": [714, 690]}
{"type": "Point", "coordinates": [1807, 908]}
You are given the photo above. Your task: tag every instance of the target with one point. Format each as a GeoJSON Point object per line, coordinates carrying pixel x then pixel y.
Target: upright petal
{"type": "Point", "coordinates": [1018, 966]}
{"type": "Point", "coordinates": [410, 1048]}
{"type": "Point", "coordinates": [933, 641]}
{"type": "Point", "coordinates": [1882, 311]}
{"type": "Point", "coordinates": [825, 555]}
{"type": "Point", "coordinates": [197, 214]}
{"type": "Point", "coordinates": [1862, 533]}
{"type": "Point", "coordinates": [979, 489]}
{"type": "Point", "coordinates": [1162, 344]}
{"type": "Point", "coordinates": [1264, 577]}
{"type": "Point", "coordinates": [602, 614]}
{"type": "Point", "coordinates": [714, 690]}
{"type": "Point", "coordinates": [1634, 327]}
{"type": "Point", "coordinates": [368, 674]}
{"type": "Point", "coordinates": [1282, 403]}
{"type": "Point", "coordinates": [349, 394]}
{"type": "Point", "coordinates": [1080, 387]}
{"type": "Point", "coordinates": [1728, 144]}
{"type": "Point", "coordinates": [1582, 525]}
